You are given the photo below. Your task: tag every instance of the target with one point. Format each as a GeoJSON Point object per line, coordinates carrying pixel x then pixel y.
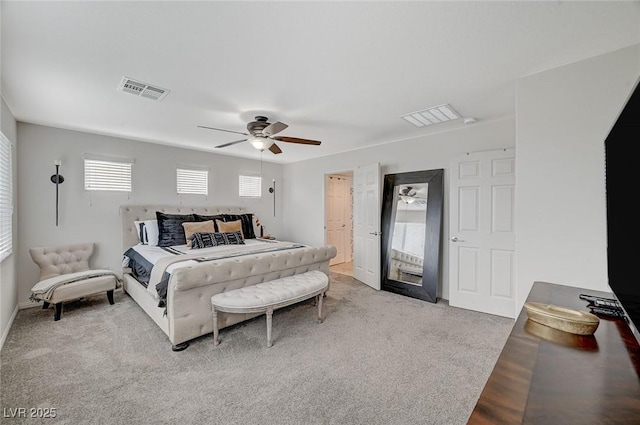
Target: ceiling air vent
{"type": "Point", "coordinates": [138, 88]}
{"type": "Point", "coordinates": [431, 116]}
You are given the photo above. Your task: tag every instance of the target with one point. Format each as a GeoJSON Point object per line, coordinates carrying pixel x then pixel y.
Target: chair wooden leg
{"type": "Point", "coordinates": [58, 311]}
{"type": "Point", "coordinates": [110, 297]}
{"type": "Point", "coordinates": [45, 305]}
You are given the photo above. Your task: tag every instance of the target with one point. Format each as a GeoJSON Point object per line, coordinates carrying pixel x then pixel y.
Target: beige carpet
{"type": "Point", "coordinates": [379, 358]}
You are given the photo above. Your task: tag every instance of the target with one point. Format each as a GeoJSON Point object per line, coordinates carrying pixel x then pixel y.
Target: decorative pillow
{"type": "Point", "coordinates": [210, 217]}
{"type": "Point", "coordinates": [230, 226]}
{"type": "Point", "coordinates": [208, 240]}
{"type": "Point", "coordinates": [197, 227]}
{"type": "Point", "coordinates": [170, 230]}
{"type": "Point", "coordinates": [147, 231]}
{"type": "Point", "coordinates": [247, 223]}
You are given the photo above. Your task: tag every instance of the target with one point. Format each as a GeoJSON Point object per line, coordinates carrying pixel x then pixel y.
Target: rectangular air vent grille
{"type": "Point", "coordinates": [138, 88]}
{"type": "Point", "coordinates": [431, 116]}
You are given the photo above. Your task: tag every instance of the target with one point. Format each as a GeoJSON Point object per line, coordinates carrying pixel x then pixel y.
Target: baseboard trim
{"type": "Point", "coordinates": [29, 304]}
{"type": "Point", "coordinates": [8, 328]}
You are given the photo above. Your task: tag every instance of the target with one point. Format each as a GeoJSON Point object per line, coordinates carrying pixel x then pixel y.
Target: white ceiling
{"type": "Point", "coordinates": [339, 72]}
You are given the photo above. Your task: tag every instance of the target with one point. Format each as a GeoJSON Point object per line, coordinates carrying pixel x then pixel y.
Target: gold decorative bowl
{"type": "Point", "coordinates": [567, 320]}
{"type": "Point", "coordinates": [566, 339]}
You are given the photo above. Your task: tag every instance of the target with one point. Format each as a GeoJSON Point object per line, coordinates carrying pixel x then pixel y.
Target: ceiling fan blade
{"type": "Point", "coordinates": [296, 140]}
{"type": "Point", "coordinates": [275, 149]}
{"type": "Point", "coordinates": [274, 128]}
{"type": "Point", "coordinates": [231, 143]}
{"type": "Point", "coordinates": [220, 129]}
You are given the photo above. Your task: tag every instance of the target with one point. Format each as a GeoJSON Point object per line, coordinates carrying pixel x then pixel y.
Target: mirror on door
{"type": "Point", "coordinates": [412, 221]}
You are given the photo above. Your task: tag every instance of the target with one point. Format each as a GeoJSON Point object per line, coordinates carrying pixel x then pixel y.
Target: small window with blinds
{"type": "Point", "coordinates": [192, 182]}
{"type": "Point", "coordinates": [6, 198]}
{"type": "Point", "coordinates": [250, 186]}
{"type": "Point", "coordinates": [107, 175]}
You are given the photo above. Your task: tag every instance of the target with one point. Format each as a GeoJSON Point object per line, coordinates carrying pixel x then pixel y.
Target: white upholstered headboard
{"type": "Point", "coordinates": [131, 213]}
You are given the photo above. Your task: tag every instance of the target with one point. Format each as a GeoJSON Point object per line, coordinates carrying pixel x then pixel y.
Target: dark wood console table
{"type": "Point", "coordinates": [546, 376]}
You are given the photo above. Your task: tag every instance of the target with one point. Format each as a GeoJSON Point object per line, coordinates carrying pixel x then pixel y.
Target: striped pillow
{"type": "Point", "coordinates": [208, 240]}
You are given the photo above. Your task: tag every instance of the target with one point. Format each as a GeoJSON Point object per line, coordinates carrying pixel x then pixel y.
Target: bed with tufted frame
{"type": "Point", "coordinates": [402, 262]}
{"type": "Point", "coordinates": [188, 312]}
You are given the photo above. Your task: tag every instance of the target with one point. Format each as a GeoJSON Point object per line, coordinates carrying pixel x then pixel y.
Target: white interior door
{"type": "Point", "coordinates": [337, 201]}
{"type": "Point", "coordinates": [482, 238]}
{"type": "Point", "coordinates": [366, 225]}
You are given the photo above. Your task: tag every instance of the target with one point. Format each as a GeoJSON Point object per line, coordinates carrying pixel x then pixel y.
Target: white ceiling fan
{"type": "Point", "coordinates": [408, 195]}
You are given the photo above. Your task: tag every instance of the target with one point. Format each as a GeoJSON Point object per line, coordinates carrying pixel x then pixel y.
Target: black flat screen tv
{"type": "Point", "coordinates": [623, 216]}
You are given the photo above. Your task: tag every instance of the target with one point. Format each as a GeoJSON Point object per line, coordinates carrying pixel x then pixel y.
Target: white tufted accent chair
{"type": "Point", "coordinates": [55, 261]}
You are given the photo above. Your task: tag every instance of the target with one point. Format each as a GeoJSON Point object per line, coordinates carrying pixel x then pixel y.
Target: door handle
{"type": "Point", "coordinates": [375, 233]}
{"type": "Point", "coordinates": [455, 239]}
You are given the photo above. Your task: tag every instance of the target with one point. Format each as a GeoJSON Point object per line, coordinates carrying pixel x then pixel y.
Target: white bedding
{"type": "Point", "coordinates": [188, 256]}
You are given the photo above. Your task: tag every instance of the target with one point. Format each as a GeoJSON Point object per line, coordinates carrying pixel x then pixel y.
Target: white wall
{"type": "Point", "coordinates": [8, 276]}
{"type": "Point", "coordinates": [563, 117]}
{"type": "Point", "coordinates": [303, 191]}
{"type": "Point", "coordinates": [94, 216]}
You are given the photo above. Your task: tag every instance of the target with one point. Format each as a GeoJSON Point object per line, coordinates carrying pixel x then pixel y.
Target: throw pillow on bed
{"type": "Point", "coordinates": [147, 231]}
{"type": "Point", "coordinates": [230, 226]}
{"type": "Point", "coordinates": [210, 217]}
{"type": "Point", "coordinates": [208, 240]}
{"type": "Point", "coordinates": [197, 227]}
{"type": "Point", "coordinates": [247, 223]}
{"type": "Point", "coordinates": [170, 228]}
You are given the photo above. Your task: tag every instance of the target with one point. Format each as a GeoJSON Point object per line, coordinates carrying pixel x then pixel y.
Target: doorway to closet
{"type": "Point", "coordinates": [339, 220]}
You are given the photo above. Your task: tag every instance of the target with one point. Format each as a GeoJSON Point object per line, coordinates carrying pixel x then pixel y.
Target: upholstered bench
{"type": "Point", "coordinates": [268, 296]}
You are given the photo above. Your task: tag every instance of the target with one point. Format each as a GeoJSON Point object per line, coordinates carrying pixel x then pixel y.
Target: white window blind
{"type": "Point", "coordinates": [250, 186]}
{"type": "Point", "coordinates": [195, 182]}
{"type": "Point", "coordinates": [6, 198]}
{"type": "Point", "coordinates": [107, 175]}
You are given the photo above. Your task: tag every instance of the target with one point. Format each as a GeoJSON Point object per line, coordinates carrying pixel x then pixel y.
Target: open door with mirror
{"type": "Point", "coordinates": [411, 236]}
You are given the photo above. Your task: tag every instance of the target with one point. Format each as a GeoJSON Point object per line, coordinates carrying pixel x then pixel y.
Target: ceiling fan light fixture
{"type": "Point", "coordinates": [260, 143]}
{"type": "Point", "coordinates": [407, 199]}
{"type": "Point", "coordinates": [260, 134]}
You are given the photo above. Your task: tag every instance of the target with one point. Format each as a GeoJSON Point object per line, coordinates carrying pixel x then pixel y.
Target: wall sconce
{"type": "Point", "coordinates": [272, 190]}
{"type": "Point", "coordinates": [57, 179]}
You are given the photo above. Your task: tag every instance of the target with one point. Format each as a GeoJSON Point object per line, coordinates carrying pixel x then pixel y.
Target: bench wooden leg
{"type": "Point", "coordinates": [58, 311]}
{"type": "Point", "coordinates": [269, 319]}
{"type": "Point", "coordinates": [110, 297]}
{"type": "Point", "coordinates": [320, 308]}
{"type": "Point", "coordinates": [216, 339]}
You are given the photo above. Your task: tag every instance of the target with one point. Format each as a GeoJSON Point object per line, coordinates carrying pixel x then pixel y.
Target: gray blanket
{"type": "Point", "coordinates": [43, 290]}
